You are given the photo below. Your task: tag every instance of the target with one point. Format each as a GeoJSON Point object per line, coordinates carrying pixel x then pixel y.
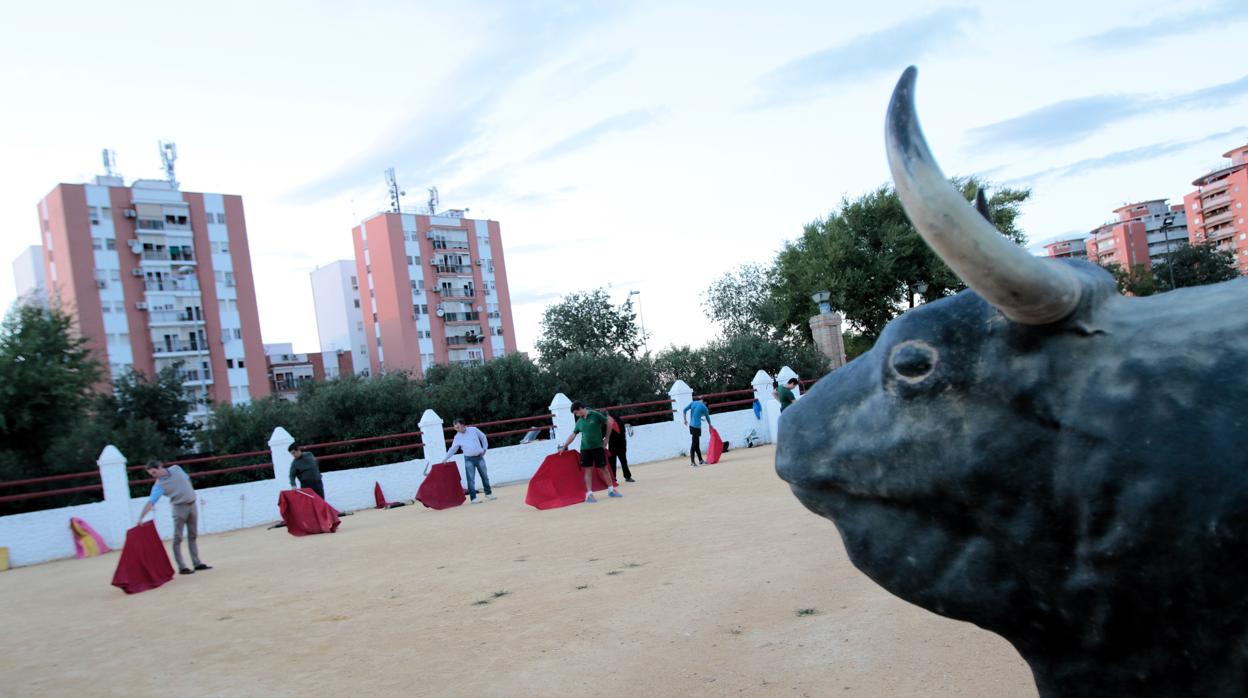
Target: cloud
{"type": "Point", "coordinates": [533, 297]}
{"type": "Point", "coordinates": [1143, 154]}
{"type": "Point", "coordinates": [434, 140]}
{"type": "Point", "coordinates": [1215, 16]}
{"type": "Point", "coordinates": [619, 123]}
{"type": "Point", "coordinates": [1066, 122]}
{"type": "Point", "coordinates": [883, 52]}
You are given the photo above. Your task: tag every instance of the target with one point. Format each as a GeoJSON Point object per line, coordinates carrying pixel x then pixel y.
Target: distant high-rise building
{"type": "Point", "coordinates": [1074, 248]}
{"type": "Point", "coordinates": [1142, 236]}
{"type": "Point", "coordinates": [28, 277]}
{"type": "Point", "coordinates": [289, 372]}
{"type": "Point", "coordinates": [339, 311]}
{"type": "Point", "coordinates": [156, 276]}
{"type": "Point", "coordinates": [433, 290]}
{"type": "Point", "coordinates": [1217, 207]}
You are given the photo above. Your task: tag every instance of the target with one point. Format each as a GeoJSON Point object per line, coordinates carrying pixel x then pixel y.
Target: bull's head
{"type": "Point", "coordinates": [1043, 457]}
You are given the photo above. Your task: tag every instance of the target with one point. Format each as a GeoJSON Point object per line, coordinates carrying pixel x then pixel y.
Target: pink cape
{"type": "Point", "coordinates": [87, 543]}
{"type": "Point", "coordinates": [559, 482]}
{"type": "Point", "coordinates": [441, 488]}
{"type": "Point", "coordinates": [715, 448]}
{"type": "Point", "coordinates": [144, 564]}
{"type": "Point", "coordinates": [305, 512]}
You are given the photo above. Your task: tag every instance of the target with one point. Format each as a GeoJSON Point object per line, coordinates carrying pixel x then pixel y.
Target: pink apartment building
{"type": "Point", "coordinates": [1217, 207]}
{"type": "Point", "coordinates": [433, 290]}
{"type": "Point", "coordinates": [1142, 236]}
{"type": "Point", "coordinates": [154, 276]}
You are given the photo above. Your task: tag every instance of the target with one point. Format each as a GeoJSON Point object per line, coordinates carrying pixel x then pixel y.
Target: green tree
{"type": "Point", "coordinates": [1195, 265]}
{"type": "Point", "coordinates": [587, 323]}
{"type": "Point", "coordinates": [872, 260]}
{"type": "Point", "coordinates": [731, 363]}
{"type": "Point", "coordinates": [47, 381]}
{"type": "Point", "coordinates": [740, 302]}
{"type": "Point", "coordinates": [603, 381]}
{"type": "Point", "coordinates": [1139, 281]}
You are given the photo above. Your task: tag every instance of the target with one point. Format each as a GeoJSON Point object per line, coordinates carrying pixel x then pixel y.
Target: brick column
{"type": "Point", "coordinates": [826, 328]}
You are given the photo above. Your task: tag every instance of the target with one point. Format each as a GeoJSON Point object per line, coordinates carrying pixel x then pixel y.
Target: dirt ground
{"type": "Point", "coordinates": [712, 581]}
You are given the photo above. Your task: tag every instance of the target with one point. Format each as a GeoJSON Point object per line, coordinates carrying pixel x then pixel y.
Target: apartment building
{"type": "Point", "coordinates": [156, 276]}
{"type": "Point", "coordinates": [339, 312]}
{"type": "Point", "coordinates": [289, 371]}
{"type": "Point", "coordinates": [433, 289]}
{"type": "Point", "coordinates": [1142, 235]}
{"type": "Point", "coordinates": [1217, 207]}
{"type": "Point", "coordinates": [1073, 248]}
{"type": "Point", "coordinates": [28, 277]}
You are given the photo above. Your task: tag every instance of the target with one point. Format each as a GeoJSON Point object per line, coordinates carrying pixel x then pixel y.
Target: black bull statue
{"type": "Point", "coordinates": [1047, 459]}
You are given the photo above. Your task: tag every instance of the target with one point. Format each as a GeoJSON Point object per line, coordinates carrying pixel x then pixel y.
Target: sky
{"type": "Point", "coordinates": [648, 146]}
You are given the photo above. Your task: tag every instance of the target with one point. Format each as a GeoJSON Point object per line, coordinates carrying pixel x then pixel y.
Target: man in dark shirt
{"type": "Point", "coordinates": [785, 394]}
{"type": "Point", "coordinates": [304, 468]}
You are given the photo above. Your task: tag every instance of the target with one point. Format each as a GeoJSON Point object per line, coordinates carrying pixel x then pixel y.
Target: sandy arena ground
{"type": "Point", "coordinates": [690, 585]}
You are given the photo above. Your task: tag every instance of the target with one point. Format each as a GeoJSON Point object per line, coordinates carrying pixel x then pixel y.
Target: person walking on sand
{"type": "Point", "coordinates": [592, 426]}
{"type": "Point", "coordinates": [174, 483]}
{"type": "Point", "coordinates": [472, 443]}
{"type": "Point", "coordinates": [696, 411]}
{"type": "Point", "coordinates": [617, 447]}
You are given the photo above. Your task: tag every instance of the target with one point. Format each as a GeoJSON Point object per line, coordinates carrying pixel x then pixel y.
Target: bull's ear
{"type": "Point", "coordinates": [981, 204]}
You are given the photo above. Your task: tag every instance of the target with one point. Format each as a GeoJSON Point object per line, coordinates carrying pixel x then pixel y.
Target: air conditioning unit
{"type": "Point", "coordinates": [140, 305]}
{"type": "Point", "coordinates": [478, 262]}
{"type": "Point", "coordinates": [101, 283]}
{"type": "Point", "coordinates": [430, 235]}
{"type": "Point", "coordinates": [136, 247]}
{"type": "Point", "coordinates": [136, 272]}
{"type": "Point", "coordinates": [130, 213]}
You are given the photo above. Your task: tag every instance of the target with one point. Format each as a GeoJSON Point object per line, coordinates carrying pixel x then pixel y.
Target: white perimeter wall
{"type": "Point", "coordinates": [45, 535]}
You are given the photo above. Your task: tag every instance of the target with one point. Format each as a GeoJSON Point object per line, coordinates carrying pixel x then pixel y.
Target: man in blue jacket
{"type": "Point", "coordinates": [696, 411]}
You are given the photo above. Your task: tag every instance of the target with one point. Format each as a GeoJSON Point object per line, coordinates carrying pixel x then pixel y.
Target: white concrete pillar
{"type": "Point", "coordinates": [564, 422]}
{"type": "Point", "coordinates": [116, 522]}
{"type": "Point", "coordinates": [763, 393]}
{"type": "Point", "coordinates": [681, 395]}
{"type": "Point", "coordinates": [279, 451]}
{"type": "Point", "coordinates": [433, 436]}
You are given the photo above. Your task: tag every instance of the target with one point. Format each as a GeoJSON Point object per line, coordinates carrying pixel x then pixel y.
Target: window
{"type": "Point", "coordinates": [106, 307]}
{"type": "Point", "coordinates": [357, 302]}
{"type": "Point", "coordinates": [415, 309]}
{"type": "Point", "coordinates": [97, 244]}
{"type": "Point", "coordinates": [229, 278]}
{"type": "Point", "coordinates": [370, 293]}
{"type": "Point", "coordinates": [229, 363]}
{"type": "Point", "coordinates": [240, 362]}
{"type": "Point", "coordinates": [355, 283]}
{"type": "Point", "coordinates": [409, 260]}
{"type": "Point", "coordinates": [221, 218]}
{"type": "Point", "coordinates": [238, 334]}
{"type": "Point", "coordinates": [110, 244]}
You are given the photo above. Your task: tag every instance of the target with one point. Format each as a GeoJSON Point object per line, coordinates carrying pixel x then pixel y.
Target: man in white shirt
{"type": "Point", "coordinates": [472, 443]}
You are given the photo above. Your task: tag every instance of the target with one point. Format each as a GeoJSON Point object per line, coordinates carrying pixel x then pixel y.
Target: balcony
{"type": "Point", "coordinates": [457, 269]}
{"type": "Point", "coordinates": [177, 347]}
{"type": "Point", "coordinates": [439, 244]}
{"type": "Point", "coordinates": [155, 255]}
{"type": "Point", "coordinates": [460, 317]}
{"type": "Point", "coordinates": [1222, 216]}
{"type": "Point", "coordinates": [1221, 233]}
{"type": "Point", "coordinates": [1222, 197]}
{"type": "Point", "coordinates": [192, 376]}
{"type": "Point", "coordinates": [171, 317]}
{"type": "Point", "coordinates": [463, 340]}
{"type": "Point", "coordinates": [456, 293]}
{"type": "Point", "coordinates": [169, 285]}
{"type": "Point", "coordinates": [290, 385]}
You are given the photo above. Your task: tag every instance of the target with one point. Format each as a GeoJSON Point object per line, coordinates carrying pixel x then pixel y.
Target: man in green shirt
{"type": "Point", "coordinates": [785, 394]}
{"type": "Point", "coordinates": [592, 426]}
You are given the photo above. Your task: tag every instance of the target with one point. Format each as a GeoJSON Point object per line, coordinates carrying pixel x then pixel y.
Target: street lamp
{"type": "Point", "coordinates": [1165, 233]}
{"type": "Point", "coordinates": [641, 319]}
{"type": "Point", "coordinates": [821, 299]}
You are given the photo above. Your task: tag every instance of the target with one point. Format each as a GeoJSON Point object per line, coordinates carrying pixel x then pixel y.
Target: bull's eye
{"type": "Point", "coordinates": [913, 360]}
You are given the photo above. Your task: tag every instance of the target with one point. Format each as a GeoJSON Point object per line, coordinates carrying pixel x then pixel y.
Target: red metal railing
{"type": "Point", "coordinates": [508, 432]}
{"type": "Point", "coordinates": [50, 493]}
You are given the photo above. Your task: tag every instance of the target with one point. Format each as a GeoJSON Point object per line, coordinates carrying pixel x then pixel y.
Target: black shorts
{"type": "Point", "coordinates": [695, 431]}
{"type": "Point", "coordinates": [594, 458]}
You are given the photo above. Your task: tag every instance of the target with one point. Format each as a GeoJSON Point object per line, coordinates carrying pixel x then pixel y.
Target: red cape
{"type": "Point", "coordinates": [715, 448]}
{"type": "Point", "coordinates": [305, 512]}
{"type": "Point", "coordinates": [144, 564]}
{"type": "Point", "coordinates": [381, 498]}
{"type": "Point", "coordinates": [441, 488]}
{"type": "Point", "coordinates": [559, 482]}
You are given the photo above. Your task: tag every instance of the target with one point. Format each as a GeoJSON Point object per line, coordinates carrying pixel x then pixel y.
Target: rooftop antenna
{"type": "Point", "coordinates": [110, 162]}
{"type": "Point", "coordinates": [433, 201]}
{"type": "Point", "coordinates": [169, 155]}
{"type": "Point", "coordinates": [392, 185]}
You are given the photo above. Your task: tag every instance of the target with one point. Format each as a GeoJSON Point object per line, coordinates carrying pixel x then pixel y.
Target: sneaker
{"type": "Point", "coordinates": [475, 501]}
{"type": "Point", "coordinates": [693, 465]}
{"type": "Point", "coordinates": [202, 566]}
{"type": "Point", "coordinates": [589, 499]}
{"type": "Point", "coordinates": [613, 493]}
{"type": "Point", "coordinates": [186, 570]}
{"type": "Point", "coordinates": [490, 497]}
{"type": "Point", "coordinates": [629, 479]}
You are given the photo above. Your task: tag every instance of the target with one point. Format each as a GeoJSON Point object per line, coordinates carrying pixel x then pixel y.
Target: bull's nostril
{"type": "Point", "coordinates": [913, 360]}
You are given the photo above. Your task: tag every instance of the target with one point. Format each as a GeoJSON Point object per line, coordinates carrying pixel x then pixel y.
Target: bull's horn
{"type": "Point", "coordinates": [1026, 289]}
